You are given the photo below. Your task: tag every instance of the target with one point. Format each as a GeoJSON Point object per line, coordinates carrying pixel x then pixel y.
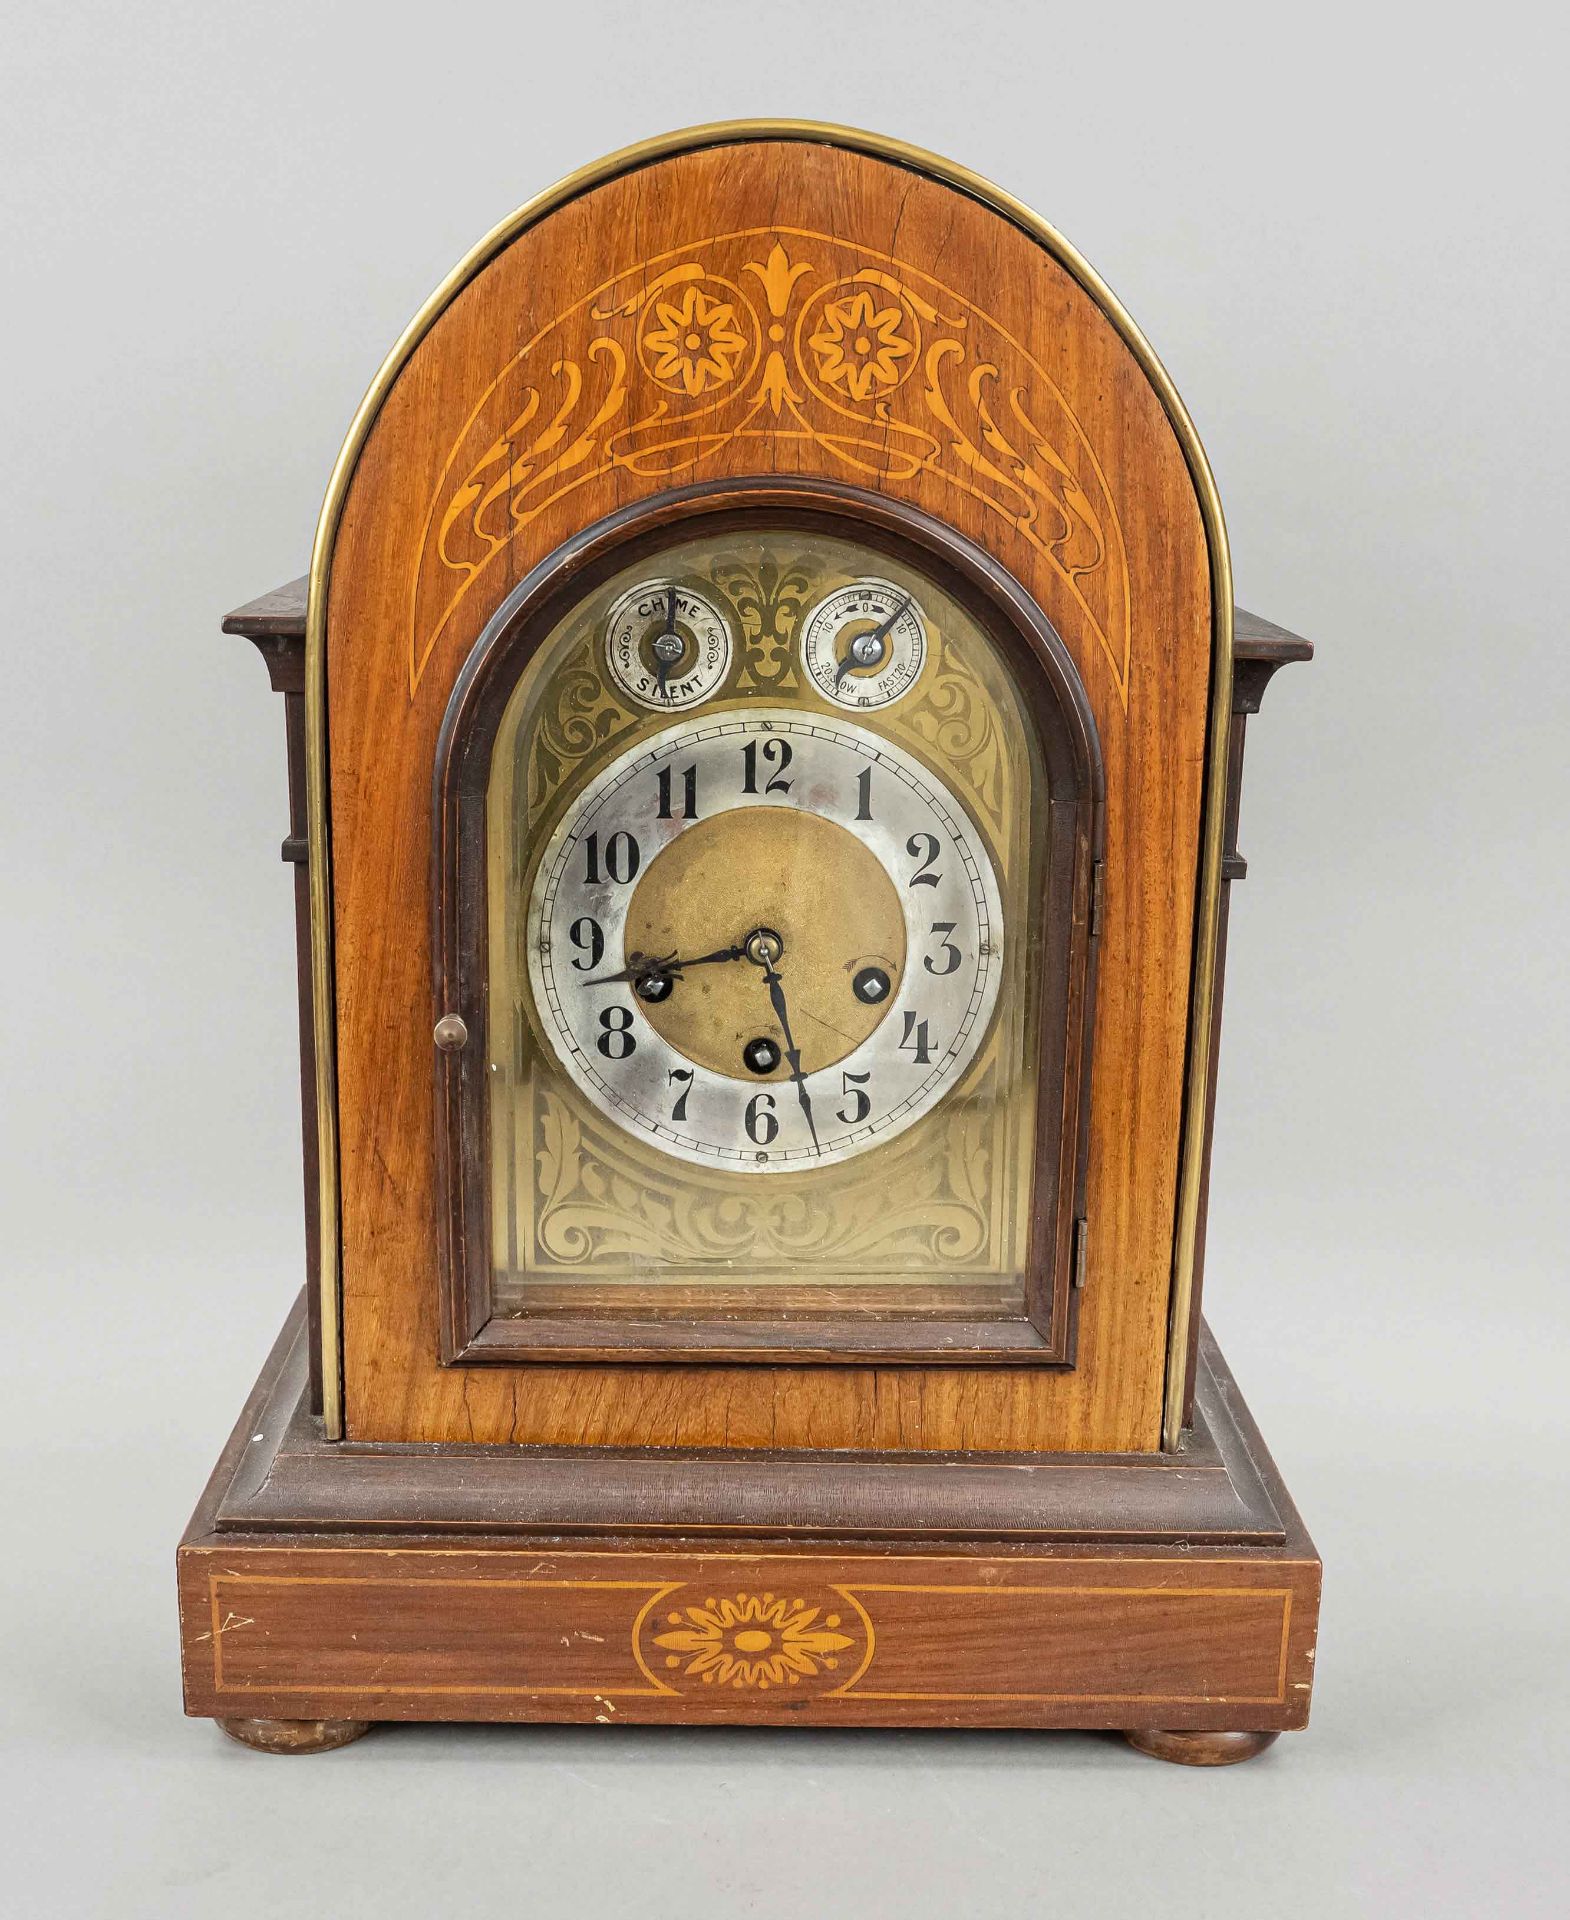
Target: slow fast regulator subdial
{"type": "Point", "coordinates": [865, 645]}
{"type": "Point", "coordinates": [666, 645]}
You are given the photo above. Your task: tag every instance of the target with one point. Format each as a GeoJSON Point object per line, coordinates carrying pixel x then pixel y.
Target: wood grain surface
{"type": "Point", "coordinates": [288, 1479]}
{"type": "Point", "coordinates": [461, 489]}
{"type": "Point", "coordinates": [455, 1633]}
{"type": "Point", "coordinates": [341, 1621]}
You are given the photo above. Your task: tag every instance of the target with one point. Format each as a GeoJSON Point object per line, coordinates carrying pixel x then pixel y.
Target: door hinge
{"type": "Point", "coordinates": [1081, 1253]}
{"type": "Point", "coordinates": [1098, 869]}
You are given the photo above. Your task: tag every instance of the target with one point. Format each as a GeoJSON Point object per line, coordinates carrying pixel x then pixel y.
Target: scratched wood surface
{"type": "Point", "coordinates": [438, 1631]}
{"type": "Point", "coordinates": [520, 419]}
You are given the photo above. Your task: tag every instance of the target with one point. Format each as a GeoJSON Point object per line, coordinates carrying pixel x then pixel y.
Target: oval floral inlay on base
{"type": "Point", "coordinates": [756, 1640]}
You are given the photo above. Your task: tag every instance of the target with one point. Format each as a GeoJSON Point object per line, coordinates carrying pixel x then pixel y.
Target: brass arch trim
{"type": "Point", "coordinates": [628, 160]}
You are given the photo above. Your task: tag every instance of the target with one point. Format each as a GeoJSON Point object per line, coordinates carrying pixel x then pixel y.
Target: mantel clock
{"type": "Point", "coordinates": [765, 721]}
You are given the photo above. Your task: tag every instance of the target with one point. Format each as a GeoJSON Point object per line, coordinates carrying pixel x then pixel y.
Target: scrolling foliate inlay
{"type": "Point", "coordinates": [779, 335]}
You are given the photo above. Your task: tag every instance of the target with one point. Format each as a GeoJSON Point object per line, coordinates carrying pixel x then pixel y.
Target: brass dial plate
{"type": "Point", "coordinates": [577, 1193]}
{"type": "Point", "coordinates": [805, 877]}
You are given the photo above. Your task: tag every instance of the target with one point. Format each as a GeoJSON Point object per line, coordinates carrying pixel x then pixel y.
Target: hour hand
{"type": "Point", "coordinates": [707, 959]}
{"type": "Point", "coordinates": [644, 966]}
{"type": "Point", "coordinates": [639, 967]}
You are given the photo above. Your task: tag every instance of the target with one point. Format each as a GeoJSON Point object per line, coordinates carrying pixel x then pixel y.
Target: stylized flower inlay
{"type": "Point", "coordinates": [859, 346]}
{"type": "Point", "coordinates": [753, 1640]}
{"type": "Point", "coordinates": [694, 345]}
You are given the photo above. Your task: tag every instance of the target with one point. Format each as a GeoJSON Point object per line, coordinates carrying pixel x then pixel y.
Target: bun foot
{"type": "Point", "coordinates": [1200, 1749]}
{"type": "Point", "coordinates": [294, 1736]}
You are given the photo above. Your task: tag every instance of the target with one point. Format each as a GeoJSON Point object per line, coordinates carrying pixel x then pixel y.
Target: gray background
{"type": "Point", "coordinates": [1344, 230]}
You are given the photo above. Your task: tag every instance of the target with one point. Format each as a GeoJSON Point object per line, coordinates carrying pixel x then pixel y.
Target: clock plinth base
{"type": "Point", "coordinates": [1200, 1749]}
{"type": "Point", "coordinates": [294, 1736]}
{"type": "Point", "coordinates": [325, 1586]}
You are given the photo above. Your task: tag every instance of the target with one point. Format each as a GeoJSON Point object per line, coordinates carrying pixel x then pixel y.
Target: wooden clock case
{"type": "Point", "coordinates": [1073, 1524]}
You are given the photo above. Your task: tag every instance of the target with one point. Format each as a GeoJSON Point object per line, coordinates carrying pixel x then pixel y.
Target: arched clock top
{"type": "Point", "coordinates": [687, 316]}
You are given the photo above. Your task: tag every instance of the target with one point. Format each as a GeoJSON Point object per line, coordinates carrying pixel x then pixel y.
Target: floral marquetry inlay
{"type": "Point", "coordinates": [858, 346]}
{"type": "Point", "coordinates": [860, 361]}
{"type": "Point", "coordinates": [755, 1641]}
{"type": "Point", "coordinates": [692, 345]}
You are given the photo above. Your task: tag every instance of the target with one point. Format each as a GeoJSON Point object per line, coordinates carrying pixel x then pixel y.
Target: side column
{"type": "Point", "coordinates": [1259, 648]}
{"type": "Point", "coordinates": [275, 624]}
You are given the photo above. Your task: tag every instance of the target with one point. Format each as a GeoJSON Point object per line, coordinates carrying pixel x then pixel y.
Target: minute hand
{"type": "Point", "coordinates": [792, 1051]}
{"type": "Point", "coordinates": [662, 666]}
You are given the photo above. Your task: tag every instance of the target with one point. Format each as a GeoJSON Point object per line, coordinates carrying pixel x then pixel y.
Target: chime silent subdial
{"type": "Point", "coordinates": [667, 646]}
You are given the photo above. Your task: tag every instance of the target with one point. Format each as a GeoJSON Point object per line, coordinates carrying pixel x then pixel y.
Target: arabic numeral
{"type": "Point", "coordinates": [923, 848]}
{"type": "Point", "coordinates": [616, 1040]}
{"type": "Point", "coordinates": [586, 936]}
{"type": "Point", "coordinates": [683, 1077]}
{"type": "Point", "coordinates": [759, 1120]}
{"type": "Point", "coordinates": [860, 1105]}
{"type": "Point", "coordinates": [776, 754]}
{"type": "Point", "coordinates": [951, 954]}
{"type": "Point", "coordinates": [621, 859]}
{"type": "Point", "coordinates": [916, 1040]}
{"type": "Point", "coordinates": [689, 794]}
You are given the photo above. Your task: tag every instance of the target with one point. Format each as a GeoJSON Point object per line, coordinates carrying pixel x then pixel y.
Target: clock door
{"type": "Point", "coordinates": [769, 822]}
